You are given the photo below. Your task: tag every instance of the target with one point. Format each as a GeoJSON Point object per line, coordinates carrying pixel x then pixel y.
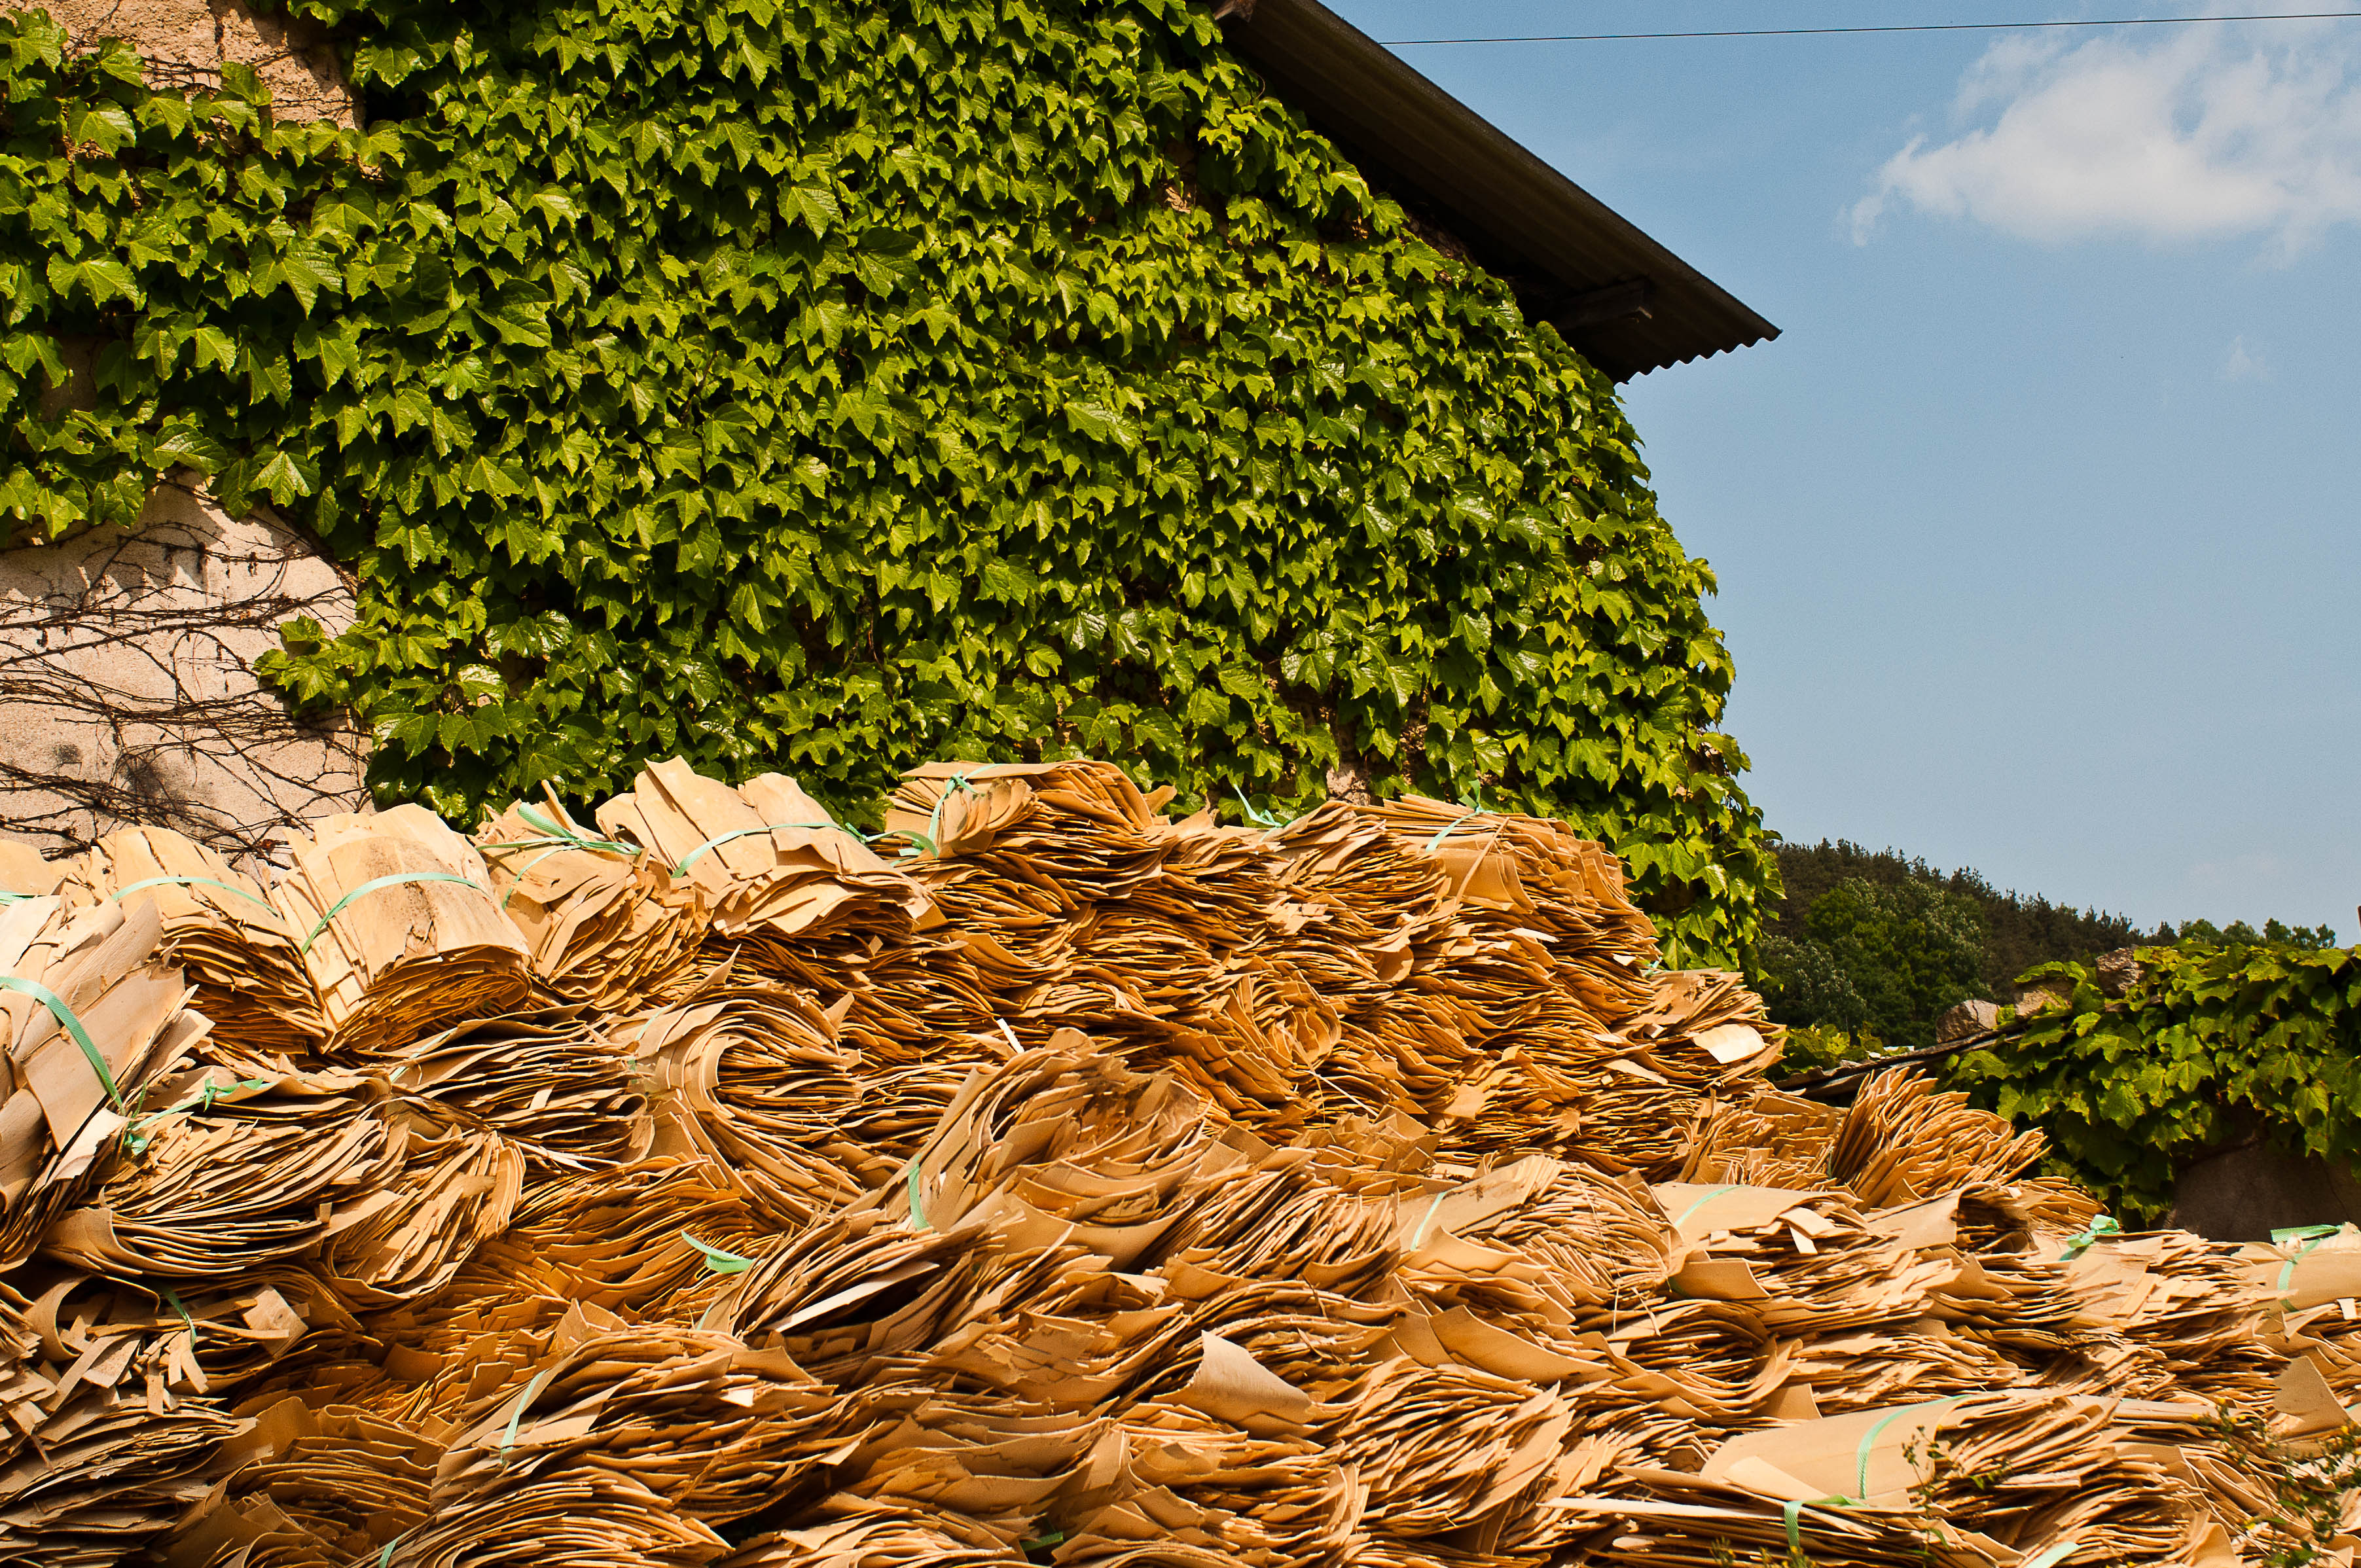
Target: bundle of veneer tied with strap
{"type": "Point", "coordinates": [693, 1177]}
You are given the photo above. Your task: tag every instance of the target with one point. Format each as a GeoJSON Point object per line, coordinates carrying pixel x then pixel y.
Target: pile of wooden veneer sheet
{"type": "Point", "coordinates": [1047, 1180]}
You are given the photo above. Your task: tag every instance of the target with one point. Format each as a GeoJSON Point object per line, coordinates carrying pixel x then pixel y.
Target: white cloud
{"type": "Point", "coordinates": [2208, 132]}
{"type": "Point", "coordinates": [2244, 363]}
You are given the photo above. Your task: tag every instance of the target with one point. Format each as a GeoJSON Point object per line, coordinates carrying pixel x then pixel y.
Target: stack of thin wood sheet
{"type": "Point", "coordinates": [394, 918]}
{"type": "Point", "coordinates": [606, 923]}
{"type": "Point", "coordinates": [218, 926]}
{"type": "Point", "coordinates": [1043, 1180]}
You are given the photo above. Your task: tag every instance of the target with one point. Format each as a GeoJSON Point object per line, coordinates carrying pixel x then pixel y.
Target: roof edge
{"type": "Point", "coordinates": [1626, 301]}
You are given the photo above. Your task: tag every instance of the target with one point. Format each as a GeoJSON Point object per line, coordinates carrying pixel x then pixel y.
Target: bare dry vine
{"type": "Point", "coordinates": [127, 683]}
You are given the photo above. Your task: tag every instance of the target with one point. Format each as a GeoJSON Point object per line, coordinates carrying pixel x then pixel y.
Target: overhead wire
{"type": "Point", "coordinates": [1888, 27]}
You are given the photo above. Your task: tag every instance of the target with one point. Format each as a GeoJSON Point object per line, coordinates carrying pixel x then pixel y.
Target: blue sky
{"type": "Point", "coordinates": [2039, 529]}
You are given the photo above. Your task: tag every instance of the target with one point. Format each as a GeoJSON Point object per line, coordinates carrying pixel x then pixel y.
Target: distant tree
{"type": "Point", "coordinates": [1868, 948]}
{"type": "Point", "coordinates": [2239, 934]}
{"type": "Point", "coordinates": [1807, 986]}
{"type": "Point", "coordinates": [2021, 931]}
{"type": "Point", "coordinates": [1887, 958]}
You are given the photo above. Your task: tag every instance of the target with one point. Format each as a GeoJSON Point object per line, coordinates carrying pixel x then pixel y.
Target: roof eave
{"type": "Point", "coordinates": [1572, 260]}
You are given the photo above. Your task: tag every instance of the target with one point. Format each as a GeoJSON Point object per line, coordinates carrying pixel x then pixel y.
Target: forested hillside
{"type": "Point", "coordinates": [1881, 943]}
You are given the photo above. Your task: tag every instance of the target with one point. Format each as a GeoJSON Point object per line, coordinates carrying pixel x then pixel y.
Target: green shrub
{"type": "Point", "coordinates": [1885, 957]}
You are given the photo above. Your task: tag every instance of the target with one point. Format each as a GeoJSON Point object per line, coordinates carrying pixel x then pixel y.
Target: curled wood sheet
{"type": "Point", "coordinates": [606, 924]}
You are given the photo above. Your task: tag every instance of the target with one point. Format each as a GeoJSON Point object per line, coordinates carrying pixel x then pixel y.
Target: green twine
{"type": "Point", "coordinates": [135, 1137]}
{"type": "Point", "coordinates": [1445, 832]}
{"type": "Point", "coordinates": [1699, 1205]}
{"type": "Point", "coordinates": [174, 1297]}
{"type": "Point", "coordinates": [558, 837]}
{"type": "Point", "coordinates": [1861, 1455]}
{"type": "Point", "coordinates": [535, 819]}
{"type": "Point", "coordinates": [2311, 1236]}
{"type": "Point", "coordinates": [1262, 819]}
{"type": "Point", "coordinates": [918, 1201]}
{"type": "Point", "coordinates": [1419, 1235]}
{"type": "Point", "coordinates": [682, 868]}
{"type": "Point", "coordinates": [1792, 1512]}
{"type": "Point", "coordinates": [935, 819]}
{"type": "Point", "coordinates": [508, 1438]}
{"type": "Point", "coordinates": [1474, 805]}
{"type": "Point", "coordinates": [518, 881]}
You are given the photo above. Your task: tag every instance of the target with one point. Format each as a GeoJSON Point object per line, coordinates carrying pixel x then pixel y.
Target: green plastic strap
{"type": "Point", "coordinates": [1444, 831]}
{"type": "Point", "coordinates": [508, 1438]}
{"type": "Point", "coordinates": [1263, 820]}
{"type": "Point", "coordinates": [2102, 1229]}
{"type": "Point", "coordinates": [173, 1297]}
{"type": "Point", "coordinates": [1474, 805]}
{"type": "Point", "coordinates": [557, 840]}
{"type": "Point", "coordinates": [1793, 1514]}
{"type": "Point", "coordinates": [19, 898]}
{"type": "Point", "coordinates": [1419, 1235]}
{"type": "Point", "coordinates": [1701, 1204]}
{"type": "Point", "coordinates": [1860, 1455]}
{"type": "Point", "coordinates": [935, 820]}
{"type": "Point", "coordinates": [518, 881]}
{"type": "Point", "coordinates": [918, 1201]}
{"type": "Point", "coordinates": [369, 887]}
{"type": "Point", "coordinates": [718, 1260]}
{"type": "Point", "coordinates": [119, 895]}
{"type": "Point", "coordinates": [535, 819]}
{"type": "Point", "coordinates": [203, 1099]}
{"type": "Point", "coordinates": [2311, 1236]}
{"type": "Point", "coordinates": [72, 1025]}
{"type": "Point", "coordinates": [689, 858]}
{"type": "Point", "coordinates": [2051, 1557]}
{"type": "Point", "coordinates": [385, 1558]}
{"type": "Point", "coordinates": [135, 1137]}
{"type": "Point", "coordinates": [212, 1089]}
{"type": "Point", "coordinates": [2314, 1233]}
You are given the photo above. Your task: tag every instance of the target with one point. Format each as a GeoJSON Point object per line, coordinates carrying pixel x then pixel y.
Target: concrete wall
{"type": "Point", "coordinates": [2243, 1195]}
{"type": "Point", "coordinates": [188, 40]}
{"type": "Point", "coordinates": [127, 686]}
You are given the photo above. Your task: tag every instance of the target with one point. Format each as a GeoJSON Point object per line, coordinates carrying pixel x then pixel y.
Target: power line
{"type": "Point", "coordinates": [1915, 27]}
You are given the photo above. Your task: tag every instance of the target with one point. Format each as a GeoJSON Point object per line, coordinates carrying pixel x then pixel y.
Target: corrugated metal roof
{"type": "Point", "coordinates": [1625, 300]}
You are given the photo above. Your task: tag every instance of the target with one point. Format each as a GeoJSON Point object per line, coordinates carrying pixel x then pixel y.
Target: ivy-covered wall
{"type": "Point", "coordinates": [831, 386]}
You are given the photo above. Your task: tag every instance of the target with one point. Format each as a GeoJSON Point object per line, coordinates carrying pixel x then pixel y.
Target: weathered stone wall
{"type": "Point", "coordinates": [190, 40]}
{"type": "Point", "coordinates": [127, 693]}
